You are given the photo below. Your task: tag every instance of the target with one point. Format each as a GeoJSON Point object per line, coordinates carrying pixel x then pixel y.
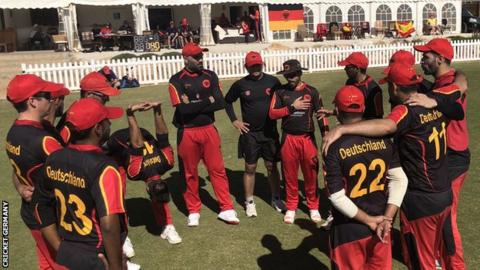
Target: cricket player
{"type": "Point", "coordinates": [88, 192]}
{"type": "Point", "coordinates": [295, 103]}
{"type": "Point", "coordinates": [421, 137]}
{"type": "Point", "coordinates": [356, 65]}
{"type": "Point", "coordinates": [196, 94]}
{"type": "Point", "coordinates": [366, 185]}
{"type": "Point", "coordinates": [436, 61]}
{"type": "Point", "coordinates": [28, 144]}
{"type": "Point", "coordinates": [258, 133]}
{"type": "Point", "coordinates": [145, 157]}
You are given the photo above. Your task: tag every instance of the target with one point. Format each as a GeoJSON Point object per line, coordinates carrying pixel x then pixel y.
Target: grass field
{"type": "Point", "coordinates": [260, 243]}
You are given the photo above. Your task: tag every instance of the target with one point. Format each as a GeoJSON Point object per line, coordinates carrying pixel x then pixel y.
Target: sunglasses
{"type": "Point", "coordinates": [198, 57]}
{"type": "Point", "coordinates": [350, 67]}
{"type": "Point", "coordinates": [45, 95]}
{"type": "Point", "coordinates": [103, 97]}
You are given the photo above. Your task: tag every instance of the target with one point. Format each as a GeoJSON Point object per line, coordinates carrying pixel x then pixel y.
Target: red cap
{"type": "Point", "coordinates": [404, 57]}
{"type": "Point", "coordinates": [24, 86]}
{"type": "Point", "coordinates": [350, 99]}
{"type": "Point", "coordinates": [192, 49]}
{"type": "Point", "coordinates": [106, 70]}
{"type": "Point", "coordinates": [253, 58]}
{"type": "Point", "coordinates": [401, 74]}
{"type": "Point", "coordinates": [96, 82]}
{"type": "Point", "coordinates": [87, 112]}
{"type": "Point", "coordinates": [439, 45]}
{"type": "Point", "coordinates": [357, 59]}
{"type": "Point", "coordinates": [61, 93]}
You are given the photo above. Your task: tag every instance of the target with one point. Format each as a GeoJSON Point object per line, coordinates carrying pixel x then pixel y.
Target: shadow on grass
{"type": "Point", "coordinates": [279, 258]}
{"type": "Point", "coordinates": [144, 217]}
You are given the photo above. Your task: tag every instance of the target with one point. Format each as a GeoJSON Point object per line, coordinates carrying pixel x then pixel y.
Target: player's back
{"type": "Point", "coordinates": [422, 142]}
{"type": "Point", "coordinates": [81, 181]}
{"type": "Point", "coordinates": [359, 165]}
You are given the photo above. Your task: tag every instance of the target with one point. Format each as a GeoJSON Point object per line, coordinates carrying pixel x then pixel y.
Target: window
{"type": "Point", "coordinates": [282, 35]}
{"type": "Point", "coordinates": [384, 14]}
{"type": "Point", "coordinates": [429, 9]}
{"type": "Point", "coordinates": [404, 13]}
{"type": "Point", "coordinates": [449, 14]}
{"type": "Point", "coordinates": [334, 14]}
{"type": "Point", "coordinates": [308, 19]}
{"type": "Point", "coordinates": [356, 15]}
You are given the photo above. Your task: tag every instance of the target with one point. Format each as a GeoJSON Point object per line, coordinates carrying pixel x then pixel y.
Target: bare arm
{"type": "Point", "coordinates": [160, 125]}
{"type": "Point", "coordinates": [110, 226]}
{"type": "Point", "coordinates": [136, 138]}
{"type": "Point", "coordinates": [461, 80]}
{"type": "Point", "coordinates": [50, 233]}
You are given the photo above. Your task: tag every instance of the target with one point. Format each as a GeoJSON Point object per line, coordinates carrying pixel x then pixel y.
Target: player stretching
{"type": "Point", "coordinates": [420, 135]}
{"type": "Point", "coordinates": [296, 102]}
{"type": "Point", "coordinates": [196, 95]}
{"type": "Point", "coordinates": [259, 135]}
{"type": "Point", "coordinates": [366, 186]}
{"type": "Point", "coordinates": [147, 158]}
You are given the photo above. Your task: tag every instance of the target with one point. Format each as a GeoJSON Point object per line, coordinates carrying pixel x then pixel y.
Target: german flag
{"type": "Point", "coordinates": [285, 17]}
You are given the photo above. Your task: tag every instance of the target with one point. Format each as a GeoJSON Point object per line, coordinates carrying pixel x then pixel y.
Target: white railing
{"type": "Point", "coordinates": [156, 70]}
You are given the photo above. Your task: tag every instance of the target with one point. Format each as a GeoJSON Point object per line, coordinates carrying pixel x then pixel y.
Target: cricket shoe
{"type": "Point", "coordinates": [229, 216]}
{"type": "Point", "coordinates": [289, 217]}
{"type": "Point", "coordinates": [171, 235]}
{"type": "Point", "coordinates": [278, 205]}
{"type": "Point", "coordinates": [128, 248]}
{"type": "Point", "coordinates": [132, 266]}
{"type": "Point", "coordinates": [315, 216]}
{"type": "Point", "coordinates": [328, 222]}
{"type": "Point", "coordinates": [193, 220]}
{"type": "Point", "coordinates": [250, 209]}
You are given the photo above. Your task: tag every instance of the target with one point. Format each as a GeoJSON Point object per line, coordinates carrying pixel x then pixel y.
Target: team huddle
{"type": "Point", "coordinates": [72, 173]}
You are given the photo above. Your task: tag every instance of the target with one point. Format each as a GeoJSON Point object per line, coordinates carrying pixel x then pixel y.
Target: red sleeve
{"type": "Point", "coordinates": [398, 114]}
{"type": "Point", "coordinates": [168, 154]}
{"type": "Point", "coordinates": [134, 166]}
{"type": "Point", "coordinates": [447, 90]}
{"type": "Point", "coordinates": [275, 112]}
{"type": "Point", "coordinates": [174, 95]}
{"type": "Point", "coordinates": [108, 195]}
{"type": "Point", "coordinates": [65, 134]}
{"type": "Point", "coordinates": [50, 145]}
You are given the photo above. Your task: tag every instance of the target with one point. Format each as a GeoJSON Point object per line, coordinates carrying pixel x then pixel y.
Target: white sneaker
{"type": "Point", "coordinates": [170, 234]}
{"type": "Point", "coordinates": [193, 220]}
{"type": "Point", "coordinates": [278, 205]}
{"type": "Point", "coordinates": [289, 217]}
{"type": "Point", "coordinates": [438, 265]}
{"type": "Point", "coordinates": [250, 209]}
{"type": "Point", "coordinates": [229, 216]}
{"type": "Point", "coordinates": [315, 216]}
{"type": "Point", "coordinates": [132, 266]}
{"type": "Point", "coordinates": [128, 248]}
{"type": "Point", "coordinates": [328, 222]}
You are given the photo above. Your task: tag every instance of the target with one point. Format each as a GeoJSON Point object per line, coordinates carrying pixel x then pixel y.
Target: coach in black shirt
{"type": "Point", "coordinates": [259, 136]}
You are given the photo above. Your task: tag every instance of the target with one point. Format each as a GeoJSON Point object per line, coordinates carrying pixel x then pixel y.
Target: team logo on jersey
{"type": "Point", "coordinates": [268, 91]}
{"type": "Point", "coordinates": [247, 93]}
{"type": "Point", "coordinates": [206, 83]}
{"type": "Point", "coordinates": [307, 97]}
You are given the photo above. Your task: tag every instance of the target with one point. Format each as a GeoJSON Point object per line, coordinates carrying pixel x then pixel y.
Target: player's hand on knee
{"type": "Point", "coordinates": [241, 126]}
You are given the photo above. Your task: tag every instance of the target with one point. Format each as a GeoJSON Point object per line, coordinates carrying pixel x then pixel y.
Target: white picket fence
{"type": "Point", "coordinates": [156, 70]}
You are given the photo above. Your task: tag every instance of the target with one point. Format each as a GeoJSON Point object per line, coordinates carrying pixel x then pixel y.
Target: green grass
{"type": "Point", "coordinates": [264, 242]}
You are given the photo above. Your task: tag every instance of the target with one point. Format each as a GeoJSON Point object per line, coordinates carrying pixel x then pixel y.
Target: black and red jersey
{"type": "Point", "coordinates": [457, 131]}
{"type": "Point", "coordinates": [421, 138]}
{"type": "Point", "coordinates": [359, 165]}
{"type": "Point", "coordinates": [297, 122]}
{"type": "Point", "coordinates": [189, 94]}
{"type": "Point", "coordinates": [147, 163]}
{"type": "Point", "coordinates": [255, 97]}
{"type": "Point", "coordinates": [28, 144]}
{"type": "Point", "coordinates": [373, 97]}
{"type": "Point", "coordinates": [87, 186]}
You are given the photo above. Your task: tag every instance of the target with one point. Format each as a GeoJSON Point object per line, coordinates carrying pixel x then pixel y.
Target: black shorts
{"type": "Point", "coordinates": [78, 256]}
{"type": "Point", "coordinates": [257, 144]}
